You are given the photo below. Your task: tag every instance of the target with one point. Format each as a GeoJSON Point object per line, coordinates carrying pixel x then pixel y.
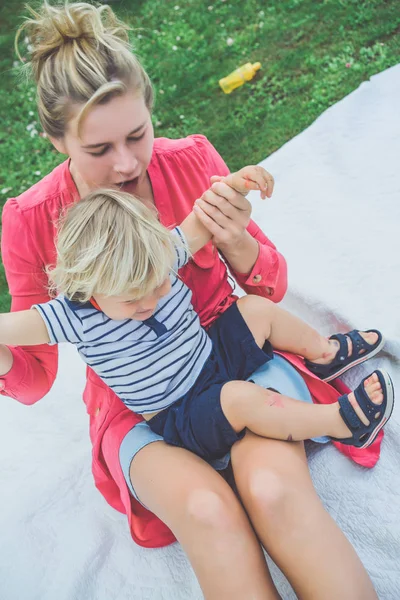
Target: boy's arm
{"type": "Point", "coordinates": [195, 233]}
{"type": "Point", "coordinates": [23, 328]}
{"type": "Point", "coordinates": [248, 178]}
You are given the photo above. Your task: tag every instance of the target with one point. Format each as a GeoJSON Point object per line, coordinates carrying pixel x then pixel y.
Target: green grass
{"type": "Point", "coordinates": [312, 53]}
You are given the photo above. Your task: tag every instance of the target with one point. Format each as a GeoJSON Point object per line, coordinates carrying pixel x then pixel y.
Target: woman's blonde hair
{"type": "Point", "coordinates": [110, 243]}
{"type": "Point", "coordinates": [80, 55]}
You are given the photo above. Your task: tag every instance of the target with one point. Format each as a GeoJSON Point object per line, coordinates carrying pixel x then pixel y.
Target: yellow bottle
{"type": "Point", "coordinates": [239, 77]}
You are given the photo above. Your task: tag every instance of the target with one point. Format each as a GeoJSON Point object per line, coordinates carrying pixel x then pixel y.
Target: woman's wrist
{"type": "Point", "coordinates": [6, 360]}
{"type": "Point", "coordinates": [241, 254]}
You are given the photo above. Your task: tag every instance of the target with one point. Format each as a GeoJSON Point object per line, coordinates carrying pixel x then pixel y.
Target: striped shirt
{"type": "Point", "coordinates": [149, 364]}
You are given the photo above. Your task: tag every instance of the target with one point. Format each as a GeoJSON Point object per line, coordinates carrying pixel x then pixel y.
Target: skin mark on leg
{"type": "Point", "coordinates": [290, 438]}
{"type": "Point", "coordinates": [275, 399]}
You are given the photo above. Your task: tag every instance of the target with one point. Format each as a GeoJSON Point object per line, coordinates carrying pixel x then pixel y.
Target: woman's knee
{"type": "Point", "coordinates": [270, 494]}
{"type": "Point", "coordinates": [272, 477]}
{"type": "Point", "coordinates": [183, 490]}
{"type": "Point", "coordinates": [213, 509]}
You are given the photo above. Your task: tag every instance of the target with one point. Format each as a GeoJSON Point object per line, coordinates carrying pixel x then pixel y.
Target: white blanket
{"type": "Point", "coordinates": [335, 215]}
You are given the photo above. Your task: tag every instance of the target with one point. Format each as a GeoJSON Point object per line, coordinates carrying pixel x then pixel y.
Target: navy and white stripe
{"type": "Point", "coordinates": [149, 364]}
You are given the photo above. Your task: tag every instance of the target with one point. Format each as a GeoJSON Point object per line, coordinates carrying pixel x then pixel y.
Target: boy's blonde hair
{"type": "Point", "coordinates": [80, 56]}
{"type": "Point", "coordinates": [110, 243]}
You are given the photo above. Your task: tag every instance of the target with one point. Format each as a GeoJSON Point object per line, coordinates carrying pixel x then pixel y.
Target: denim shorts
{"type": "Point", "coordinates": [277, 374]}
{"type": "Point", "coordinates": [196, 420]}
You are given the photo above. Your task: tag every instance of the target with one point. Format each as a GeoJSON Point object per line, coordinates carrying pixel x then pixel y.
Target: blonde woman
{"type": "Point", "coordinates": [94, 102]}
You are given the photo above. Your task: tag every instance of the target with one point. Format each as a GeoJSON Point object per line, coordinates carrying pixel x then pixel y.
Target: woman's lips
{"type": "Point", "coordinates": [129, 182]}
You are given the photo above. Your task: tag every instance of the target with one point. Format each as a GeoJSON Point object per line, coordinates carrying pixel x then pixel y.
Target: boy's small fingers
{"type": "Point", "coordinates": [259, 183]}
{"type": "Point", "coordinates": [262, 180]}
{"type": "Point", "coordinates": [269, 180]}
{"type": "Point", "coordinates": [250, 184]}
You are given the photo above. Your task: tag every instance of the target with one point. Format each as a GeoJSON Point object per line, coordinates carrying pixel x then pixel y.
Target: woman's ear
{"type": "Point", "coordinates": [58, 144]}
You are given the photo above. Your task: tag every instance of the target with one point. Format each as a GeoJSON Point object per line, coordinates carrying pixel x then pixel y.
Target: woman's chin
{"type": "Point", "coordinates": [129, 186]}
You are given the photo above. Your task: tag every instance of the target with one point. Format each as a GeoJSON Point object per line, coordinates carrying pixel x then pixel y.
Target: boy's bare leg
{"type": "Point", "coordinates": [267, 321]}
{"type": "Point", "coordinates": [273, 415]}
{"type": "Point", "coordinates": [270, 414]}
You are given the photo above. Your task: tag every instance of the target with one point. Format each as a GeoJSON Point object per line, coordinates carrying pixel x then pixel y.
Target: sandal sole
{"type": "Point", "coordinates": [359, 361]}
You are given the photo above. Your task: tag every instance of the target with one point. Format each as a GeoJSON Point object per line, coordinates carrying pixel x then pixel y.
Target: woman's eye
{"type": "Point", "coordinates": [103, 151]}
{"type": "Point", "coordinates": [130, 139]}
{"type": "Point", "coordinates": [136, 139]}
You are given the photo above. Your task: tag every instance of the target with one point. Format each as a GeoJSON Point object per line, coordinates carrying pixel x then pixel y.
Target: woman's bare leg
{"type": "Point", "coordinates": [275, 486]}
{"type": "Point", "coordinates": [207, 519]}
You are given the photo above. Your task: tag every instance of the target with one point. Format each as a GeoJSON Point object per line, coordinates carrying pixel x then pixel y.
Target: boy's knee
{"type": "Point", "coordinates": [254, 305]}
{"type": "Point", "coordinates": [235, 388]}
{"type": "Point", "coordinates": [232, 394]}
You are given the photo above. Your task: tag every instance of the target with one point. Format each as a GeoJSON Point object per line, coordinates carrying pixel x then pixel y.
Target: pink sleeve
{"type": "Point", "coordinates": [34, 368]}
{"type": "Point", "coordinates": [214, 161]}
{"type": "Point", "coordinates": [268, 278]}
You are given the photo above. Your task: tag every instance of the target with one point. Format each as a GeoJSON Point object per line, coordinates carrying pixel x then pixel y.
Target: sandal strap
{"type": "Point", "coordinates": [349, 415]}
{"type": "Point", "coordinates": [343, 352]}
{"type": "Point", "coordinates": [368, 407]}
{"type": "Point", "coordinates": [359, 343]}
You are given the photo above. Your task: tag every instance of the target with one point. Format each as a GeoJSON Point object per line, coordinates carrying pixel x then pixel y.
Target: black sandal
{"type": "Point", "coordinates": [377, 414]}
{"type": "Point", "coordinates": [342, 362]}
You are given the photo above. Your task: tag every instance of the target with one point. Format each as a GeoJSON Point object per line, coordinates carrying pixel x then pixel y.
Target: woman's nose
{"type": "Point", "coordinates": [126, 163]}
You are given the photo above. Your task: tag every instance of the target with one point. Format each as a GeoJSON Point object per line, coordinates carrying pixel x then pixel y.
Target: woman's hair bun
{"type": "Point", "coordinates": [79, 54]}
{"type": "Point", "coordinates": [50, 28]}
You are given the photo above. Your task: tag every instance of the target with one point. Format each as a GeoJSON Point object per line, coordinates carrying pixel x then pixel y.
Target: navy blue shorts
{"type": "Point", "coordinates": [196, 421]}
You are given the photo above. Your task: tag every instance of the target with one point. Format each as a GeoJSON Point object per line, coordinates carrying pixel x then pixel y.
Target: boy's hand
{"type": "Point", "coordinates": [251, 178]}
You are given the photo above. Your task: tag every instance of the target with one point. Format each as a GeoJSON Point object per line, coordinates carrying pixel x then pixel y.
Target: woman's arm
{"type": "Point", "coordinates": [253, 259]}
{"type": "Point", "coordinates": [23, 328]}
{"type": "Point", "coordinates": [268, 275]}
{"type": "Point", "coordinates": [26, 373]}
{"type": "Point", "coordinates": [199, 227]}
{"type": "Point", "coordinates": [243, 254]}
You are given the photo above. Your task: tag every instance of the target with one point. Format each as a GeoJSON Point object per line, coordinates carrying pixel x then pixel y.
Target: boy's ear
{"type": "Point", "coordinates": [58, 144]}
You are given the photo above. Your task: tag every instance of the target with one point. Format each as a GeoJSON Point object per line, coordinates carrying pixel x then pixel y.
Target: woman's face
{"type": "Point", "coordinates": [114, 147]}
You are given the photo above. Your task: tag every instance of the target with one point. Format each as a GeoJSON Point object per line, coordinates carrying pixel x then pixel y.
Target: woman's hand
{"type": "Point", "coordinates": [225, 212]}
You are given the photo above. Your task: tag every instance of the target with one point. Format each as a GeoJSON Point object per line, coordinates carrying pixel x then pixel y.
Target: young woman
{"type": "Point", "coordinates": [95, 102]}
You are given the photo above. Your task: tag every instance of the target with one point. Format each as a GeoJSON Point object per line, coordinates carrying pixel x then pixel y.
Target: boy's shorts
{"type": "Point", "coordinates": [196, 421]}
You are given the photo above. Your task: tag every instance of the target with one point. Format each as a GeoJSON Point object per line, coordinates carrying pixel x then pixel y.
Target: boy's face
{"type": "Point", "coordinates": [124, 307]}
